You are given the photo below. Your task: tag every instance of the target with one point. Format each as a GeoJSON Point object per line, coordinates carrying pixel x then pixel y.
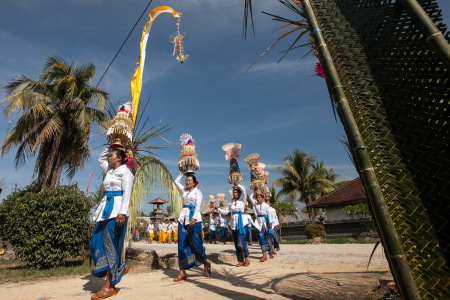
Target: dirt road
{"type": "Point", "coordinates": [297, 272]}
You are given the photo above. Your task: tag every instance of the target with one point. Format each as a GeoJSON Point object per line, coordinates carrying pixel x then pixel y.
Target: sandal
{"type": "Point", "coordinates": [247, 261]}
{"type": "Point", "coordinates": [179, 278]}
{"type": "Point", "coordinates": [240, 264]}
{"type": "Point", "coordinates": [263, 259]}
{"type": "Point", "coordinates": [207, 272]}
{"type": "Point", "coordinates": [104, 293]}
{"type": "Point", "coordinates": [271, 256]}
{"type": "Point", "coordinates": [127, 270]}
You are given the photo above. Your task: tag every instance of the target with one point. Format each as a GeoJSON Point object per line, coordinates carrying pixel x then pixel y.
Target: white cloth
{"type": "Point", "coordinates": [235, 206]}
{"type": "Point", "coordinates": [260, 209]}
{"type": "Point", "coordinates": [120, 179]}
{"type": "Point", "coordinates": [247, 220]}
{"type": "Point", "coordinates": [274, 218]}
{"type": "Point", "coordinates": [223, 222]}
{"type": "Point", "coordinates": [213, 222]}
{"type": "Point", "coordinates": [150, 227]}
{"type": "Point", "coordinates": [194, 197]}
{"type": "Point", "coordinates": [174, 226]}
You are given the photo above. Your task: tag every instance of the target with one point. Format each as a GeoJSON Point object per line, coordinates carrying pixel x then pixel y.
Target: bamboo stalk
{"type": "Point", "coordinates": [396, 257]}
{"type": "Point", "coordinates": [432, 34]}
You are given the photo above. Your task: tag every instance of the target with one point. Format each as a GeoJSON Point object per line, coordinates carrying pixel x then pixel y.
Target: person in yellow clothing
{"type": "Point", "coordinates": [170, 231]}
{"type": "Point", "coordinates": [160, 233]}
{"type": "Point", "coordinates": [164, 231]}
{"type": "Point", "coordinates": [175, 231]}
{"type": "Point", "coordinates": [151, 232]}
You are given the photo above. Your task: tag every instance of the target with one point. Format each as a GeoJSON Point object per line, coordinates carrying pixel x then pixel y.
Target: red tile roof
{"type": "Point", "coordinates": [158, 201]}
{"type": "Point", "coordinates": [352, 192]}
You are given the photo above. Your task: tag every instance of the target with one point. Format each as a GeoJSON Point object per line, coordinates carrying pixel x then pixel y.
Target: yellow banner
{"type": "Point", "coordinates": [136, 80]}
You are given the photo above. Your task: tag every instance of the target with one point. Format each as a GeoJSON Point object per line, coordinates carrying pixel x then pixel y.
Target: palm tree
{"type": "Point", "coordinates": [58, 110]}
{"type": "Point", "coordinates": [304, 179]}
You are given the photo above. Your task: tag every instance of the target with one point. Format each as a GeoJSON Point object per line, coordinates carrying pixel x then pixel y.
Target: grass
{"type": "Point", "coordinates": [16, 270]}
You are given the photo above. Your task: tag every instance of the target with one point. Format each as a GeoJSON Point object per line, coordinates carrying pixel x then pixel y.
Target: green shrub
{"type": "Point", "coordinates": [47, 226]}
{"type": "Point", "coordinates": [315, 230]}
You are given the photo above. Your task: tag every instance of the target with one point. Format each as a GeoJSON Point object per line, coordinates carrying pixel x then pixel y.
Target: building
{"type": "Point", "coordinates": [333, 203]}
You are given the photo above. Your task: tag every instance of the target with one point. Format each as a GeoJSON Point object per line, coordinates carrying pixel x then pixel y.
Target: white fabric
{"type": "Point", "coordinates": [213, 222]}
{"type": "Point", "coordinates": [235, 206]}
{"type": "Point", "coordinates": [120, 179]}
{"type": "Point", "coordinates": [194, 197]}
{"type": "Point", "coordinates": [248, 221]}
{"type": "Point", "coordinates": [274, 217]}
{"type": "Point", "coordinates": [260, 209]}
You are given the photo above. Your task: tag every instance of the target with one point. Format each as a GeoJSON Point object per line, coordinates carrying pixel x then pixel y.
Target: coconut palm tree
{"type": "Point", "coordinates": [58, 110]}
{"type": "Point", "coordinates": [304, 179]}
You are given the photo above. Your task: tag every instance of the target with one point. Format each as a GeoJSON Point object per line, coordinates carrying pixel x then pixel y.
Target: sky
{"type": "Point", "coordinates": [272, 109]}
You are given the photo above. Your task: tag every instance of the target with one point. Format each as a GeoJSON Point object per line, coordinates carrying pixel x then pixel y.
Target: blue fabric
{"type": "Point", "coordinates": [265, 241]}
{"type": "Point", "coordinates": [212, 235]}
{"type": "Point", "coordinates": [248, 234]}
{"type": "Point", "coordinates": [241, 247]}
{"type": "Point", "coordinates": [241, 226]}
{"type": "Point", "coordinates": [191, 252]}
{"type": "Point", "coordinates": [110, 202]}
{"type": "Point", "coordinates": [267, 222]}
{"type": "Point", "coordinates": [191, 210]}
{"type": "Point", "coordinates": [106, 249]}
{"type": "Point", "coordinates": [274, 237]}
{"type": "Point", "coordinates": [224, 233]}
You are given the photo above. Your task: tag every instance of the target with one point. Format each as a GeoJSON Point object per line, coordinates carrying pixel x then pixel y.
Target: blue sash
{"type": "Point", "coordinates": [241, 226]}
{"type": "Point", "coordinates": [267, 222]}
{"type": "Point", "coordinates": [191, 210]}
{"type": "Point", "coordinates": [110, 202]}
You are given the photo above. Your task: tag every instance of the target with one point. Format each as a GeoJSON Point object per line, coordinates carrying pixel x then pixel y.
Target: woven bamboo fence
{"type": "Point", "coordinates": [398, 93]}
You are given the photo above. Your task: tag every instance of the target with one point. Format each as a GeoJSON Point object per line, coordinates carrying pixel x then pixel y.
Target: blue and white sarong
{"type": "Point", "coordinates": [191, 252]}
{"type": "Point", "coordinates": [241, 247]}
{"type": "Point", "coordinates": [265, 241]}
{"type": "Point", "coordinates": [106, 249]}
{"type": "Point", "coordinates": [248, 234]}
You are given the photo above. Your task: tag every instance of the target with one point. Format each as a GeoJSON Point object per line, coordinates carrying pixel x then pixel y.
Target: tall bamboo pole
{"type": "Point", "coordinates": [432, 34]}
{"type": "Point", "coordinates": [391, 243]}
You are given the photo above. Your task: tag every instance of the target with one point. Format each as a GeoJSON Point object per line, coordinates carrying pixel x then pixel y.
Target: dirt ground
{"type": "Point", "coordinates": [297, 272]}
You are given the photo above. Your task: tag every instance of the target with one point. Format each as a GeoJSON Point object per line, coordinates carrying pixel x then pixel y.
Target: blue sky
{"type": "Point", "coordinates": [272, 109]}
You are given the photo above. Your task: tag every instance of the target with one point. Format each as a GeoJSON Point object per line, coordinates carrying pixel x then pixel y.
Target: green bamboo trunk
{"type": "Point", "coordinates": [389, 81]}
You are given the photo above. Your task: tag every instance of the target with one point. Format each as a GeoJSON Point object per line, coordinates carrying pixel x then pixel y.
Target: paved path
{"type": "Point", "coordinates": [297, 272]}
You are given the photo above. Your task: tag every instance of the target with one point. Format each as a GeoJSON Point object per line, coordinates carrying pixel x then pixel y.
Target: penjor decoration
{"type": "Point", "coordinates": [256, 172]}
{"type": "Point", "coordinates": [188, 158]}
{"type": "Point", "coordinates": [136, 81]}
{"type": "Point", "coordinates": [232, 154]}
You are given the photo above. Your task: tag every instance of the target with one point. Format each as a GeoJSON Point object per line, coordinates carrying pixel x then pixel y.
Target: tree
{"type": "Point", "coordinates": [304, 179]}
{"type": "Point", "coordinates": [58, 110]}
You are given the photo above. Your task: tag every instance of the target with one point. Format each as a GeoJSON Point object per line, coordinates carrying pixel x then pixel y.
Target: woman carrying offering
{"type": "Point", "coordinates": [190, 245]}
{"type": "Point", "coordinates": [237, 224]}
{"type": "Point", "coordinates": [263, 223]}
{"type": "Point", "coordinates": [111, 216]}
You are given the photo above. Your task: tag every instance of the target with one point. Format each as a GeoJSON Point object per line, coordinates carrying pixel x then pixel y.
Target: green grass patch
{"type": "Point", "coordinates": [16, 270]}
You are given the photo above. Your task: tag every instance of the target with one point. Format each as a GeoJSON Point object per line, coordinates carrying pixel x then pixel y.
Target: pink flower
{"type": "Point", "coordinates": [319, 70]}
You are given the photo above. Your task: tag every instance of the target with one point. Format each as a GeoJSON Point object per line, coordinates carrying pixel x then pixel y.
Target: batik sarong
{"type": "Point", "coordinates": [106, 249]}
{"type": "Point", "coordinates": [265, 241]}
{"type": "Point", "coordinates": [191, 252]}
{"type": "Point", "coordinates": [241, 247]}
